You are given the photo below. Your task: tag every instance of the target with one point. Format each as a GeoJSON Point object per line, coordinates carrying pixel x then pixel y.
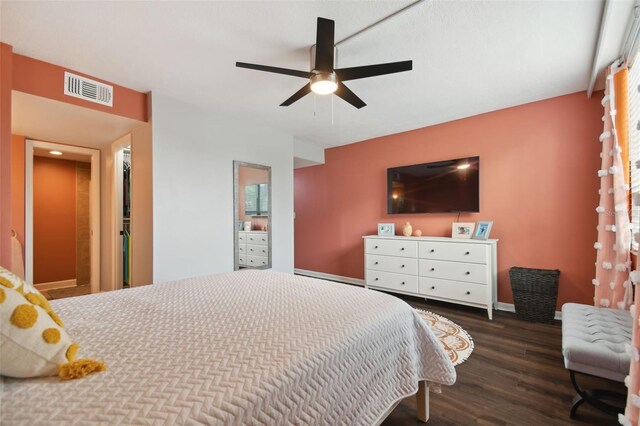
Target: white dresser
{"type": "Point", "coordinates": [453, 270]}
{"type": "Point", "coordinates": [253, 248]}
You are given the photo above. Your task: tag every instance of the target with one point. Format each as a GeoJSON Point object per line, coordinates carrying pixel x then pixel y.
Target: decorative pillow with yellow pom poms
{"type": "Point", "coordinates": [33, 341]}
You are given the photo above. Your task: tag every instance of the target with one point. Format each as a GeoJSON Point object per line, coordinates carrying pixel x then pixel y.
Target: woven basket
{"type": "Point", "coordinates": [535, 293]}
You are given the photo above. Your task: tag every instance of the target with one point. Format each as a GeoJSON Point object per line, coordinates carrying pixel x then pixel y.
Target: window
{"type": "Point", "coordinates": [256, 200]}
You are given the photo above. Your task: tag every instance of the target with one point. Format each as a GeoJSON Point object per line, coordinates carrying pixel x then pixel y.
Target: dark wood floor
{"type": "Point", "coordinates": [515, 376]}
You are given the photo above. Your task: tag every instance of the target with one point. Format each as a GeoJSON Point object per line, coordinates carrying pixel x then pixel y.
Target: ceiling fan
{"type": "Point", "coordinates": [324, 79]}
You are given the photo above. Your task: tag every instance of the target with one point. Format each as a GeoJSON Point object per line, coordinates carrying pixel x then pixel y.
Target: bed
{"type": "Point", "coordinates": [247, 347]}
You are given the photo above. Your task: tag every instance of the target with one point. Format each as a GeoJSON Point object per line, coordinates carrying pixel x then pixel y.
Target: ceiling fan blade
{"type": "Point", "coordinates": [346, 74]}
{"type": "Point", "coordinates": [325, 45]}
{"type": "Point", "coordinates": [299, 94]}
{"type": "Point", "coordinates": [286, 71]}
{"type": "Point", "coordinates": [345, 93]}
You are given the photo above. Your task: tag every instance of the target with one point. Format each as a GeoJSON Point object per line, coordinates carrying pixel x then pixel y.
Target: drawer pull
{"type": "Point", "coordinates": [375, 246]}
{"type": "Point", "coordinates": [467, 253]}
{"type": "Point", "coordinates": [402, 266]}
{"type": "Point", "coordinates": [467, 273]}
{"type": "Point", "coordinates": [433, 287]}
{"type": "Point", "coordinates": [433, 269]}
{"type": "Point", "coordinates": [402, 249]}
{"type": "Point", "coordinates": [375, 263]}
{"type": "Point", "coordinates": [402, 283]}
{"type": "Point", "coordinates": [376, 279]}
{"type": "Point", "coordinates": [432, 251]}
{"type": "Point", "coordinates": [468, 293]}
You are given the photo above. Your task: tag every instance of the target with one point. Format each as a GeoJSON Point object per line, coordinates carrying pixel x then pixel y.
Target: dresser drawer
{"type": "Point", "coordinates": [454, 290]}
{"type": "Point", "coordinates": [458, 271]}
{"type": "Point", "coordinates": [400, 265]}
{"type": "Point", "coordinates": [257, 250]}
{"type": "Point", "coordinates": [257, 260]}
{"type": "Point", "coordinates": [459, 252]}
{"type": "Point", "coordinates": [257, 238]}
{"type": "Point", "coordinates": [391, 281]}
{"type": "Point", "coordinates": [391, 247]}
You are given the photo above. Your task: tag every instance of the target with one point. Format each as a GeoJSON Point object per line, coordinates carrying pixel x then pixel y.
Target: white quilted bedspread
{"type": "Point", "coordinates": [251, 347]}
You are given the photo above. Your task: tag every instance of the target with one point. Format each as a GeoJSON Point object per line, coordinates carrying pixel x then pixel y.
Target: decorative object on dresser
{"type": "Point", "coordinates": [386, 229]}
{"type": "Point", "coordinates": [253, 249]}
{"type": "Point", "coordinates": [407, 230]}
{"type": "Point", "coordinates": [417, 233]}
{"type": "Point", "coordinates": [483, 229]}
{"type": "Point", "coordinates": [247, 226]}
{"type": "Point", "coordinates": [439, 268]}
{"type": "Point", "coordinates": [462, 229]}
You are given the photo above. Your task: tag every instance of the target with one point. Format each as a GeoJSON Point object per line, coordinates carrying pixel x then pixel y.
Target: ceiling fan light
{"type": "Point", "coordinates": [324, 83]}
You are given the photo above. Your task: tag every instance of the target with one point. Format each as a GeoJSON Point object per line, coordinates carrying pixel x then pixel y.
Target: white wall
{"type": "Point", "coordinates": [193, 153]}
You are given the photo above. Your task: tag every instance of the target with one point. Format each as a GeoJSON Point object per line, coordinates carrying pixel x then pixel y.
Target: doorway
{"type": "Point", "coordinates": [62, 223]}
{"type": "Point", "coordinates": [122, 203]}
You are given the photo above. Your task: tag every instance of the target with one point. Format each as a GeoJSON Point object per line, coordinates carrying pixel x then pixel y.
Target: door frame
{"type": "Point", "coordinates": [94, 205]}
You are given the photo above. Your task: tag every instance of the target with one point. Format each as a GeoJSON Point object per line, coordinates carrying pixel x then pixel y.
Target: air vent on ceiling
{"type": "Point", "coordinates": [87, 89]}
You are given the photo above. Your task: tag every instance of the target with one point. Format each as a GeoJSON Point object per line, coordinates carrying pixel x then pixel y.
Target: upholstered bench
{"type": "Point", "coordinates": [594, 343]}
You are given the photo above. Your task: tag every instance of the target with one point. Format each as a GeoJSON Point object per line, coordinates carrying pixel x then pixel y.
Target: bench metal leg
{"type": "Point", "coordinates": [595, 397]}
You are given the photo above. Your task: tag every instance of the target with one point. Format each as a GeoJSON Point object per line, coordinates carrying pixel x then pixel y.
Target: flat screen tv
{"type": "Point", "coordinates": [451, 186]}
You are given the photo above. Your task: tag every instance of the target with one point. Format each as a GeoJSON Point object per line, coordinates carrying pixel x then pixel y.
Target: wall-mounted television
{"type": "Point", "coordinates": [451, 186]}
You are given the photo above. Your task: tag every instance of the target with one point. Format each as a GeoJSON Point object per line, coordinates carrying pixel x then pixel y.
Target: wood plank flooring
{"type": "Point", "coordinates": [515, 376]}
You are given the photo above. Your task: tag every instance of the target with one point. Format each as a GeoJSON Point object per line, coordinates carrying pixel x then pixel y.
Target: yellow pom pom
{"type": "Point", "coordinates": [80, 368]}
{"type": "Point", "coordinates": [51, 335]}
{"type": "Point", "coordinates": [24, 316]}
{"type": "Point", "coordinates": [44, 303]}
{"type": "Point", "coordinates": [32, 298]}
{"type": "Point", "coordinates": [72, 351]}
{"type": "Point", "coordinates": [3, 296]}
{"type": "Point", "coordinates": [55, 318]}
{"type": "Point", "coordinates": [5, 282]}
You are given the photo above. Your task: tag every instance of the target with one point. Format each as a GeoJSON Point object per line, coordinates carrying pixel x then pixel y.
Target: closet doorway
{"type": "Point", "coordinates": [62, 217]}
{"type": "Point", "coordinates": [122, 203]}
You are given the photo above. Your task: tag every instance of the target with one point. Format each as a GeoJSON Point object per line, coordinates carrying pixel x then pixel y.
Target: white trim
{"type": "Point", "coordinates": [330, 277]}
{"type": "Point", "coordinates": [56, 284]}
{"type": "Point", "coordinates": [94, 203]}
{"type": "Point", "coordinates": [510, 307]}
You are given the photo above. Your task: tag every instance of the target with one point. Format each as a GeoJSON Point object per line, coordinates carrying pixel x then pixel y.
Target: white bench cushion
{"type": "Point", "coordinates": [594, 339]}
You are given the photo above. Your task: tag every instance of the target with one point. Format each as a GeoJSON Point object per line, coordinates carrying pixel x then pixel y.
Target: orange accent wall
{"type": "Point", "coordinates": [47, 80]}
{"type": "Point", "coordinates": [54, 220]}
{"type": "Point", "coordinates": [6, 69]}
{"type": "Point", "coordinates": [538, 183]}
{"type": "Point", "coordinates": [17, 187]}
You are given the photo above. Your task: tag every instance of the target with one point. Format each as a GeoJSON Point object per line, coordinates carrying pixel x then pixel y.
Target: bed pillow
{"type": "Point", "coordinates": [33, 341]}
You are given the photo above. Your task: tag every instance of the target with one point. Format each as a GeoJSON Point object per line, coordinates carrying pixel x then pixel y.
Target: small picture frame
{"type": "Point", "coordinates": [386, 229]}
{"type": "Point", "coordinates": [248, 225]}
{"type": "Point", "coordinates": [483, 229]}
{"type": "Point", "coordinates": [462, 230]}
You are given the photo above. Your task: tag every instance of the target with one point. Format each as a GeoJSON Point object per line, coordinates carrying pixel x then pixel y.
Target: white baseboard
{"type": "Point", "coordinates": [56, 284]}
{"type": "Point", "coordinates": [501, 306]}
{"type": "Point", "coordinates": [510, 307]}
{"type": "Point", "coordinates": [330, 277]}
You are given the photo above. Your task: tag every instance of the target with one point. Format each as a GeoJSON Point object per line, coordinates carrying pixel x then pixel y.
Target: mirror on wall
{"type": "Point", "coordinates": [252, 215]}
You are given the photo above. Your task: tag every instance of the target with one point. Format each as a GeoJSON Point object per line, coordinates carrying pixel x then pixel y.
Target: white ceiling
{"type": "Point", "coordinates": [470, 57]}
{"type": "Point", "coordinates": [53, 121]}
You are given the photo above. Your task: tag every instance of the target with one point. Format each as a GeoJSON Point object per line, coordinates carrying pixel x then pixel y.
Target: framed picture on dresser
{"type": "Point", "coordinates": [388, 229]}
{"type": "Point", "coordinates": [483, 229]}
{"type": "Point", "coordinates": [462, 230]}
